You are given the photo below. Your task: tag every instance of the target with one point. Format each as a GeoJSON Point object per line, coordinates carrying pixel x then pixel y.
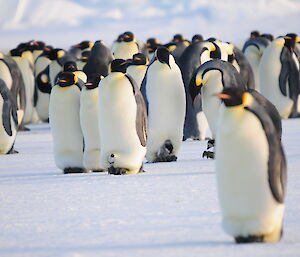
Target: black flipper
{"type": "Point", "coordinates": [277, 173]}
{"type": "Point", "coordinates": [141, 115]}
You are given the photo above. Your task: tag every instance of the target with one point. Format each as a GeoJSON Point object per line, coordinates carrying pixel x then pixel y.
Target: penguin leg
{"type": "Point", "coordinates": [117, 171]}
{"type": "Point", "coordinates": [12, 150]}
{"type": "Point", "coordinates": [208, 154]}
{"type": "Point", "coordinates": [249, 239]}
{"type": "Point", "coordinates": [73, 170]}
{"type": "Point", "coordinates": [142, 169]}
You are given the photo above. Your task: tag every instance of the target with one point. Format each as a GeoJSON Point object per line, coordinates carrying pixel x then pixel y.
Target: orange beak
{"type": "Point", "coordinates": [62, 80]}
{"type": "Point", "coordinates": [223, 96]}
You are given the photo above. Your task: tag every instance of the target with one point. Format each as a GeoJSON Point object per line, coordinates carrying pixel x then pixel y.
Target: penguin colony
{"type": "Point", "coordinates": [109, 108]}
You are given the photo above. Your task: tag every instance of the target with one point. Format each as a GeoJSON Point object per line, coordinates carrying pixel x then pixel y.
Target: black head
{"type": "Point", "coordinates": [139, 59]}
{"type": "Point", "coordinates": [231, 96]}
{"type": "Point", "coordinates": [294, 36]}
{"type": "Point", "coordinates": [66, 79]}
{"type": "Point", "coordinates": [128, 36]}
{"type": "Point", "coordinates": [118, 65]}
{"type": "Point", "coordinates": [16, 52]}
{"type": "Point", "coordinates": [152, 44]}
{"type": "Point", "coordinates": [57, 53]}
{"type": "Point", "coordinates": [211, 39]}
{"type": "Point", "coordinates": [38, 45]}
{"type": "Point", "coordinates": [28, 46]}
{"type": "Point", "coordinates": [84, 45]}
{"type": "Point", "coordinates": [178, 38]}
{"type": "Point", "coordinates": [120, 38]}
{"type": "Point", "coordinates": [85, 56]}
{"type": "Point", "coordinates": [163, 55]}
{"type": "Point", "coordinates": [197, 38]}
{"type": "Point", "coordinates": [47, 51]}
{"type": "Point", "coordinates": [270, 37]}
{"type": "Point", "coordinates": [70, 66]}
{"type": "Point", "coordinates": [93, 81]}
{"type": "Point", "coordinates": [289, 42]}
{"type": "Point", "coordinates": [254, 34]}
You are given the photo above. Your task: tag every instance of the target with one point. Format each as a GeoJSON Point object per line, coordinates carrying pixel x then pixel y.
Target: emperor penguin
{"type": "Point", "coordinates": [38, 48]}
{"type": "Point", "coordinates": [42, 84]}
{"type": "Point", "coordinates": [250, 169]}
{"type": "Point", "coordinates": [164, 92]}
{"type": "Point", "coordinates": [11, 74]}
{"type": "Point", "coordinates": [84, 53]}
{"type": "Point", "coordinates": [8, 120]}
{"type": "Point", "coordinates": [209, 79]}
{"type": "Point", "coordinates": [137, 68]}
{"type": "Point", "coordinates": [177, 46]}
{"type": "Point", "coordinates": [122, 122]}
{"type": "Point", "coordinates": [28, 79]}
{"type": "Point", "coordinates": [99, 59]}
{"type": "Point", "coordinates": [195, 125]}
{"type": "Point", "coordinates": [64, 119]}
{"type": "Point", "coordinates": [197, 38]}
{"type": "Point", "coordinates": [89, 121]}
{"type": "Point", "coordinates": [253, 49]}
{"type": "Point", "coordinates": [279, 76]}
{"type": "Point", "coordinates": [128, 47]}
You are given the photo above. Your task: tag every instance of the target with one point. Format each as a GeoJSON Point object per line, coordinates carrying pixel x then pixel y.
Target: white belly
{"type": "Point", "coordinates": [125, 50]}
{"type": "Point", "coordinates": [166, 97]}
{"type": "Point", "coordinates": [247, 204]}
{"type": "Point", "coordinates": [65, 126]}
{"type": "Point", "coordinates": [117, 124]}
{"type": "Point", "coordinates": [5, 75]}
{"type": "Point", "coordinates": [89, 120]}
{"type": "Point", "coordinates": [137, 72]}
{"type": "Point", "coordinates": [54, 69]}
{"type": "Point", "coordinates": [252, 55]}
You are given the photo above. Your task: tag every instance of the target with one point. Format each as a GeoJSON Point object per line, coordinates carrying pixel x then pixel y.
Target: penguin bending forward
{"type": "Point", "coordinates": [164, 92]}
{"type": "Point", "coordinates": [250, 169]}
{"type": "Point", "coordinates": [64, 108]}
{"type": "Point", "coordinates": [122, 122]}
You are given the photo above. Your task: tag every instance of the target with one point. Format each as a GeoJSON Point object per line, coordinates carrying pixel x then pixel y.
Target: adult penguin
{"type": "Point", "coordinates": [99, 60]}
{"type": "Point", "coordinates": [12, 76]}
{"type": "Point", "coordinates": [122, 122]}
{"type": "Point", "coordinates": [28, 79]}
{"type": "Point", "coordinates": [177, 46]}
{"type": "Point", "coordinates": [137, 68]}
{"type": "Point", "coordinates": [164, 92]}
{"type": "Point", "coordinates": [64, 109]}
{"type": "Point", "coordinates": [253, 49]}
{"type": "Point", "coordinates": [197, 38]}
{"type": "Point", "coordinates": [128, 47]}
{"type": "Point", "coordinates": [195, 55]}
{"type": "Point", "coordinates": [89, 121]}
{"type": "Point", "coordinates": [255, 160]}
{"type": "Point", "coordinates": [211, 78]}
{"type": "Point", "coordinates": [42, 84]}
{"type": "Point", "coordinates": [279, 76]}
{"type": "Point", "coordinates": [116, 42]}
{"type": "Point", "coordinates": [8, 120]}
{"type": "Point", "coordinates": [37, 49]}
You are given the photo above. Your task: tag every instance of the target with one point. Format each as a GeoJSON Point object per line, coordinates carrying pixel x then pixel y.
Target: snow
{"type": "Point", "coordinates": [170, 210]}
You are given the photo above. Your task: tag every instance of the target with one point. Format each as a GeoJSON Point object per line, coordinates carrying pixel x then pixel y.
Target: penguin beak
{"type": "Point", "coordinates": [150, 49]}
{"type": "Point", "coordinates": [89, 84]}
{"type": "Point", "coordinates": [75, 45]}
{"type": "Point", "coordinates": [62, 81]}
{"type": "Point", "coordinates": [223, 96]}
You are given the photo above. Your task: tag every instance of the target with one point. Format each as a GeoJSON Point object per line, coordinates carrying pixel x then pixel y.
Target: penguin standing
{"type": "Point", "coordinates": [8, 120]}
{"type": "Point", "coordinates": [64, 108]}
{"type": "Point", "coordinates": [152, 44]}
{"type": "Point", "coordinates": [164, 92]}
{"type": "Point", "coordinates": [177, 46]}
{"type": "Point", "coordinates": [122, 122]}
{"type": "Point", "coordinates": [128, 47]}
{"type": "Point", "coordinates": [89, 121]}
{"type": "Point", "coordinates": [253, 49]}
{"type": "Point", "coordinates": [251, 176]}
{"type": "Point", "coordinates": [279, 76]}
{"type": "Point", "coordinates": [137, 68]}
{"type": "Point", "coordinates": [195, 55]}
{"type": "Point", "coordinates": [56, 66]}
{"type": "Point", "coordinates": [99, 60]}
{"type": "Point", "coordinates": [28, 78]}
{"type": "Point", "coordinates": [84, 53]}
{"type": "Point", "coordinates": [11, 74]}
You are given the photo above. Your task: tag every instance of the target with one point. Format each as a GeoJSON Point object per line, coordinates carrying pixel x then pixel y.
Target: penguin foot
{"type": "Point", "coordinates": [210, 143]}
{"type": "Point", "coordinates": [73, 170]}
{"type": "Point", "coordinates": [208, 154]}
{"type": "Point", "coordinates": [249, 239]}
{"type": "Point", "coordinates": [116, 171]}
{"type": "Point", "coordinates": [12, 151]}
{"type": "Point", "coordinates": [168, 158]}
{"type": "Point", "coordinates": [23, 128]}
{"type": "Point", "coordinates": [100, 170]}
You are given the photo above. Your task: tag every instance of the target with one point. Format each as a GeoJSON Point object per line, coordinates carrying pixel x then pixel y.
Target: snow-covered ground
{"type": "Point", "coordinates": [170, 210]}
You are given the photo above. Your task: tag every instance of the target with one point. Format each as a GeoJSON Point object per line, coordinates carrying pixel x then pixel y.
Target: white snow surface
{"type": "Point", "coordinates": [170, 210]}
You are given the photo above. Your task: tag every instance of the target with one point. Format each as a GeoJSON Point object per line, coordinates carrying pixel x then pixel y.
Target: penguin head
{"type": "Point", "coordinates": [118, 65]}
{"type": "Point", "coordinates": [47, 51]}
{"type": "Point", "coordinates": [139, 59]}
{"type": "Point", "coordinates": [268, 36]}
{"type": "Point", "coordinates": [84, 45]}
{"type": "Point", "coordinates": [254, 34]}
{"type": "Point", "coordinates": [286, 41]}
{"type": "Point", "coordinates": [294, 37]}
{"type": "Point", "coordinates": [163, 55]}
{"type": "Point", "coordinates": [38, 45]}
{"type": "Point", "coordinates": [66, 79]}
{"type": "Point", "coordinates": [128, 36]}
{"type": "Point", "coordinates": [16, 52]}
{"type": "Point", "coordinates": [234, 96]}
{"type": "Point", "coordinates": [28, 46]}
{"type": "Point", "coordinates": [85, 56]}
{"type": "Point", "coordinates": [213, 50]}
{"type": "Point", "coordinates": [197, 38]}
{"type": "Point", "coordinates": [152, 44]}
{"type": "Point", "coordinates": [57, 53]}
{"type": "Point", "coordinates": [119, 38]}
{"type": "Point", "coordinates": [70, 66]}
{"type": "Point", "coordinates": [93, 81]}
{"type": "Point", "coordinates": [178, 38]}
